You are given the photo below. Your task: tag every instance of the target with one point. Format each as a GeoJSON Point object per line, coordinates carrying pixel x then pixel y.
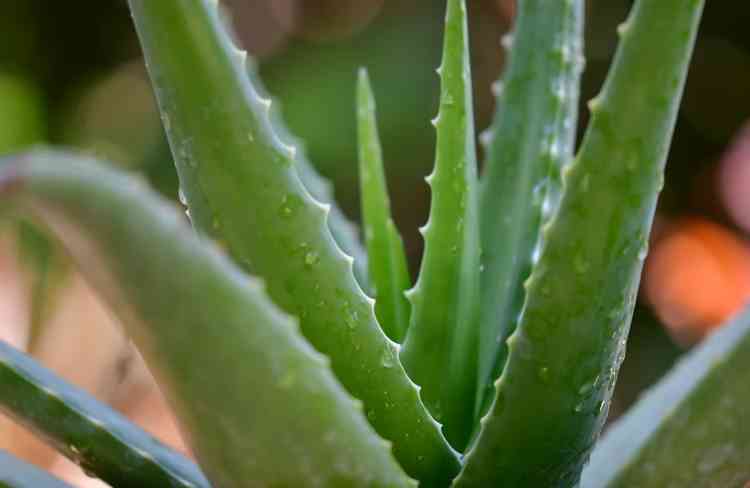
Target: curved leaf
{"type": "Point", "coordinates": [691, 429]}
{"type": "Point", "coordinates": [344, 232]}
{"type": "Point", "coordinates": [89, 433]}
{"type": "Point", "coordinates": [553, 395]}
{"type": "Point", "coordinates": [258, 405]}
{"type": "Point", "coordinates": [242, 187]}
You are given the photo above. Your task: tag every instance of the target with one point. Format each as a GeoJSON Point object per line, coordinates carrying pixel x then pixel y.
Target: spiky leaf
{"type": "Point", "coordinates": [385, 249]}
{"type": "Point", "coordinates": [531, 138]}
{"type": "Point", "coordinates": [691, 429]}
{"type": "Point", "coordinates": [243, 188]}
{"type": "Point", "coordinates": [249, 392]}
{"type": "Point", "coordinates": [553, 395]}
{"type": "Point", "coordinates": [89, 433]}
{"type": "Point", "coordinates": [440, 350]}
{"type": "Point", "coordinates": [344, 232]}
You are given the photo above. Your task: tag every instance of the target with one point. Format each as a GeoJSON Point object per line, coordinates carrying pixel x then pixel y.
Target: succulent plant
{"type": "Point", "coordinates": [495, 368]}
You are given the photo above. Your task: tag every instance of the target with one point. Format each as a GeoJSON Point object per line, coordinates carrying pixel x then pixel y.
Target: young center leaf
{"type": "Point", "coordinates": [440, 350]}
{"type": "Point", "coordinates": [385, 249]}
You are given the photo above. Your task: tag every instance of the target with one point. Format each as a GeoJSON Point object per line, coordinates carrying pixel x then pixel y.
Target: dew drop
{"type": "Point", "coordinates": [587, 387]}
{"type": "Point", "coordinates": [497, 88]}
{"type": "Point", "coordinates": [311, 258]}
{"type": "Point", "coordinates": [507, 41]}
{"type": "Point", "coordinates": [387, 359]}
{"type": "Point", "coordinates": [580, 264]}
{"type": "Point", "coordinates": [643, 250]}
{"type": "Point", "coordinates": [289, 206]}
{"type": "Point", "coordinates": [543, 374]}
{"type": "Point", "coordinates": [486, 137]}
{"type": "Point", "coordinates": [166, 122]}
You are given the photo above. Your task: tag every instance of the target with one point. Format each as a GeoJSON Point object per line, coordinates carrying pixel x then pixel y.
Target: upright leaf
{"type": "Point", "coordinates": [257, 403]}
{"type": "Point", "coordinates": [531, 138]}
{"type": "Point", "coordinates": [385, 249]}
{"type": "Point", "coordinates": [344, 232]}
{"type": "Point", "coordinates": [553, 395]}
{"type": "Point", "coordinates": [691, 429]}
{"type": "Point", "coordinates": [440, 350]}
{"type": "Point", "coordinates": [242, 187]}
{"type": "Point", "coordinates": [15, 473]}
{"type": "Point", "coordinates": [89, 433]}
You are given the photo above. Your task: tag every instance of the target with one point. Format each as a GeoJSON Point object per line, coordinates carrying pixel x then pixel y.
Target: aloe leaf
{"type": "Point", "coordinates": [553, 395]}
{"type": "Point", "coordinates": [385, 248]}
{"type": "Point", "coordinates": [243, 188]}
{"type": "Point", "coordinates": [440, 349]}
{"type": "Point", "coordinates": [15, 473]}
{"type": "Point", "coordinates": [536, 102]}
{"type": "Point", "coordinates": [89, 433]}
{"type": "Point", "coordinates": [690, 429]}
{"type": "Point", "coordinates": [249, 392]}
{"type": "Point", "coordinates": [344, 232]}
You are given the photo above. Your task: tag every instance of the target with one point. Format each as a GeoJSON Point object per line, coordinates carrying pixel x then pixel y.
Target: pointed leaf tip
{"type": "Point", "coordinates": [440, 347]}
{"type": "Point", "coordinates": [387, 257]}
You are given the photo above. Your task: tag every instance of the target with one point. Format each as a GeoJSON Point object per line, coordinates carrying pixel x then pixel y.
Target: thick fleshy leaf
{"type": "Point", "coordinates": [531, 138]}
{"type": "Point", "coordinates": [15, 473]}
{"type": "Point", "coordinates": [440, 350]}
{"type": "Point", "coordinates": [89, 433]}
{"type": "Point", "coordinates": [344, 232]}
{"type": "Point", "coordinates": [553, 395]}
{"type": "Point", "coordinates": [249, 392]}
{"type": "Point", "coordinates": [691, 429]}
{"type": "Point", "coordinates": [385, 248]}
{"type": "Point", "coordinates": [242, 187]}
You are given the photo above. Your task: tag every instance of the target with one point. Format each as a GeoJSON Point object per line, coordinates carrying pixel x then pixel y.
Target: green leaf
{"type": "Point", "coordinates": [554, 392]}
{"type": "Point", "coordinates": [257, 403]}
{"type": "Point", "coordinates": [531, 138]}
{"type": "Point", "coordinates": [690, 429]}
{"type": "Point", "coordinates": [15, 473]}
{"type": "Point", "coordinates": [89, 433]}
{"type": "Point", "coordinates": [440, 350]}
{"type": "Point", "coordinates": [385, 249]}
{"type": "Point", "coordinates": [243, 188]}
{"type": "Point", "coordinates": [344, 232]}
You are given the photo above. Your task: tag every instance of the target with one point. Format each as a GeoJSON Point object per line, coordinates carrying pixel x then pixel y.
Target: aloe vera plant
{"type": "Point", "coordinates": [495, 367]}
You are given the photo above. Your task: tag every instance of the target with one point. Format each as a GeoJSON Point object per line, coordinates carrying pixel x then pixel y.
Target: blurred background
{"type": "Point", "coordinates": [71, 74]}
